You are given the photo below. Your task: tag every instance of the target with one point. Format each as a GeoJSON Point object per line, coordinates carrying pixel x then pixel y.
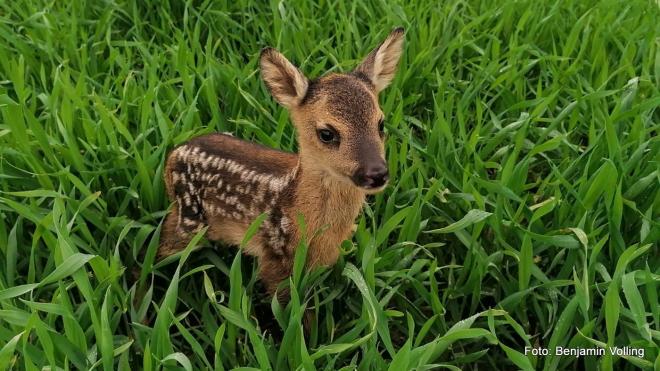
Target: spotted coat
{"type": "Point", "coordinates": [208, 179]}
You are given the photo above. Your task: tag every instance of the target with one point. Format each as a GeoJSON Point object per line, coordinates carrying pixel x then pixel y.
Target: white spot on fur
{"type": "Point", "coordinates": [189, 222]}
{"type": "Point", "coordinates": [285, 223]}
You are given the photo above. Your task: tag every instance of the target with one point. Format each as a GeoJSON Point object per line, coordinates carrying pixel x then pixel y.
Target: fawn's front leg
{"type": "Point", "coordinates": [323, 250]}
{"type": "Point", "coordinates": [172, 238]}
{"type": "Point", "coordinates": [274, 269]}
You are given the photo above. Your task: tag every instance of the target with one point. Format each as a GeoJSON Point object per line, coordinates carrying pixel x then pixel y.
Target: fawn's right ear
{"type": "Point", "coordinates": [284, 81]}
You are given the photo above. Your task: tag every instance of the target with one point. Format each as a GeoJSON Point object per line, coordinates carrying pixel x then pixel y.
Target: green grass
{"type": "Point", "coordinates": [524, 208]}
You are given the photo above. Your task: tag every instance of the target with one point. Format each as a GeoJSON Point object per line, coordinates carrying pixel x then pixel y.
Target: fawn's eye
{"type": "Point", "coordinates": [381, 126]}
{"type": "Point", "coordinates": [328, 136]}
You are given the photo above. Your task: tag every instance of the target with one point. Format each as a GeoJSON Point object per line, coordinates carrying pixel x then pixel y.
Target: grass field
{"type": "Point", "coordinates": [524, 207]}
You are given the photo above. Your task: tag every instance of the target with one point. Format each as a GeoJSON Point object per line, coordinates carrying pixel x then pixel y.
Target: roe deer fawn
{"type": "Point", "coordinates": [224, 183]}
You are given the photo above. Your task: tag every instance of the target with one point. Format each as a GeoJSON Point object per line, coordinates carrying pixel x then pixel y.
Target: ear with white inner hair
{"type": "Point", "coordinates": [380, 65]}
{"type": "Point", "coordinates": [284, 81]}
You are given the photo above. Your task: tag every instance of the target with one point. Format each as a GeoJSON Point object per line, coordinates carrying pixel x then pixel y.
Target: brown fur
{"type": "Point", "coordinates": [224, 183]}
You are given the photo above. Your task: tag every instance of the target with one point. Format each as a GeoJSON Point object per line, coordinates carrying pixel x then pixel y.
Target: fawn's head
{"type": "Point", "coordinates": [338, 119]}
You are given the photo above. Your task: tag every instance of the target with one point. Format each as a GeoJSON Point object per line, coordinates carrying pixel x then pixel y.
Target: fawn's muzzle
{"type": "Point", "coordinates": [371, 176]}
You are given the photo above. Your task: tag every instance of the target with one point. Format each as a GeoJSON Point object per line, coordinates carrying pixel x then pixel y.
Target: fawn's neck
{"type": "Point", "coordinates": [325, 200]}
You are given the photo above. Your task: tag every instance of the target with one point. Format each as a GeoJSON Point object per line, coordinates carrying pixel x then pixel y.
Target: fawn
{"type": "Point", "coordinates": [224, 183]}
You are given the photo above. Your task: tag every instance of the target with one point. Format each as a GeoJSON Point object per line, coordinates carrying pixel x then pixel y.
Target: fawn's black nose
{"type": "Point", "coordinates": [372, 176]}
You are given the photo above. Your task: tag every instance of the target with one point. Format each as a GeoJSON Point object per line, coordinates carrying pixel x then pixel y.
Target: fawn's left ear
{"type": "Point", "coordinates": [380, 65]}
{"type": "Point", "coordinates": [284, 81]}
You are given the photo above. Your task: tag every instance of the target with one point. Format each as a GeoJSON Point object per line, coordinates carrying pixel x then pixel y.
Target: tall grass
{"type": "Point", "coordinates": [524, 209]}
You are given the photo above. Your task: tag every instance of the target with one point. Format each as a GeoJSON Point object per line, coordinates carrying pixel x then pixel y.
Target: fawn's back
{"type": "Point", "coordinates": [225, 183]}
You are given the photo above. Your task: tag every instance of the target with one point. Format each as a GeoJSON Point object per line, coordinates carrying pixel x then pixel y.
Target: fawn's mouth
{"type": "Point", "coordinates": [368, 186]}
{"type": "Point", "coordinates": [373, 190]}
